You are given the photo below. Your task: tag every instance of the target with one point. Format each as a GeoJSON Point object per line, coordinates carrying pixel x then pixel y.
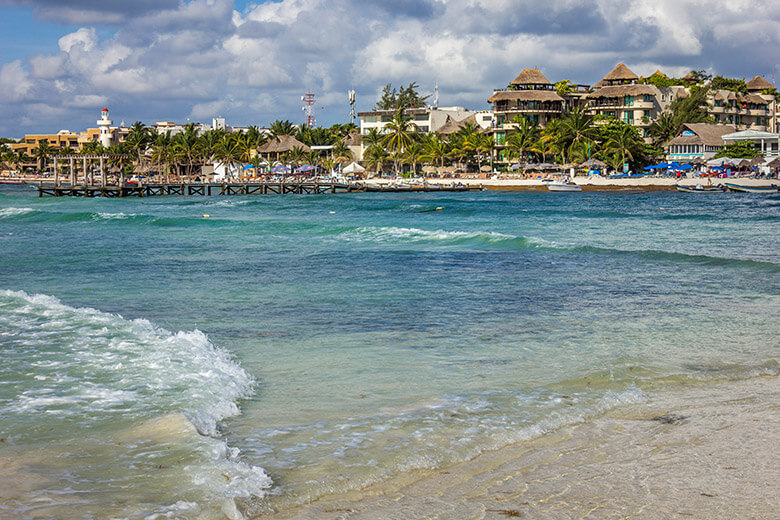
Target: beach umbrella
{"type": "Point", "coordinates": [651, 167]}
{"type": "Point", "coordinates": [685, 167]}
{"type": "Point", "coordinates": [280, 169]}
{"type": "Point", "coordinates": [662, 165]}
{"type": "Point", "coordinates": [305, 168]}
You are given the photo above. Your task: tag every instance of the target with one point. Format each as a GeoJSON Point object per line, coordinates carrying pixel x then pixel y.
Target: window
{"type": "Point", "coordinates": [628, 101]}
{"type": "Point", "coordinates": [648, 98]}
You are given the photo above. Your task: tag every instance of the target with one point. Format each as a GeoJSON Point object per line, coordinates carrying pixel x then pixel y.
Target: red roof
{"type": "Point", "coordinates": [104, 110]}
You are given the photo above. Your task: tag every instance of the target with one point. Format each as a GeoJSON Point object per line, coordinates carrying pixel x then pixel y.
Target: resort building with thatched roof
{"type": "Point", "coordinates": [697, 142]}
{"type": "Point", "coordinates": [619, 96]}
{"type": "Point", "coordinates": [273, 149]}
{"type": "Point", "coordinates": [531, 96]}
{"type": "Point", "coordinates": [755, 110]}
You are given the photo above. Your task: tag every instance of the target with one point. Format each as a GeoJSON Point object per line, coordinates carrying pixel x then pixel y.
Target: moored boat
{"type": "Point", "coordinates": [563, 185]}
{"type": "Point", "coordinates": [700, 189]}
{"type": "Point", "coordinates": [752, 189]}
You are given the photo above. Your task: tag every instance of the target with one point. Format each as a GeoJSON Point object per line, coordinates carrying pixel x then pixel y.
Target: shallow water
{"type": "Point", "coordinates": [290, 347]}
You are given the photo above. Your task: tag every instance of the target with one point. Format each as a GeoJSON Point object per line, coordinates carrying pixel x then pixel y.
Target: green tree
{"type": "Point", "coordinates": [733, 84]}
{"type": "Point", "coordinates": [522, 139]}
{"type": "Point", "coordinates": [738, 150]}
{"type": "Point", "coordinates": [42, 153]}
{"type": "Point", "coordinates": [436, 149]}
{"type": "Point", "coordinates": [230, 152]}
{"type": "Point", "coordinates": [407, 97]}
{"type": "Point", "coordinates": [625, 142]}
{"type": "Point", "coordinates": [137, 140]}
{"type": "Point", "coordinates": [278, 128]}
{"type": "Point", "coordinates": [399, 133]}
{"type": "Point", "coordinates": [374, 157]}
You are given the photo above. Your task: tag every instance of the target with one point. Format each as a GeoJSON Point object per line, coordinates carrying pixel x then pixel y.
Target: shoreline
{"type": "Point", "coordinates": [590, 183]}
{"type": "Point", "coordinates": [696, 452]}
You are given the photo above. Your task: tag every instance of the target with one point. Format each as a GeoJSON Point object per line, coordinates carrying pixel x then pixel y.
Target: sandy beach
{"type": "Point", "coordinates": [704, 452]}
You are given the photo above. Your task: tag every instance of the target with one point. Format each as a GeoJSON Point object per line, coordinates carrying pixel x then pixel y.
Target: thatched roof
{"type": "Point", "coordinates": [774, 163]}
{"type": "Point", "coordinates": [353, 139]}
{"type": "Point", "coordinates": [280, 144]}
{"type": "Point", "coordinates": [759, 83]}
{"type": "Point", "coordinates": [725, 95]}
{"type": "Point", "coordinates": [622, 90]}
{"type": "Point", "coordinates": [451, 126]}
{"type": "Point", "coordinates": [620, 73]}
{"type": "Point", "coordinates": [531, 77]}
{"type": "Point", "coordinates": [524, 95]}
{"type": "Point", "coordinates": [753, 98]}
{"type": "Point", "coordinates": [704, 133]}
{"type": "Point", "coordinates": [593, 163]}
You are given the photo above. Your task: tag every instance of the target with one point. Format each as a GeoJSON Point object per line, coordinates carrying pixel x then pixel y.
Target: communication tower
{"type": "Point", "coordinates": [351, 106]}
{"type": "Point", "coordinates": [308, 107]}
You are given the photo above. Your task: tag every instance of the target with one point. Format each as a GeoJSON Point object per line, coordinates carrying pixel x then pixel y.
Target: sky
{"type": "Point", "coordinates": [251, 61]}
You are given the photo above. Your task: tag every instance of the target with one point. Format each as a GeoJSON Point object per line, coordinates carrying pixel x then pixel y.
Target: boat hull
{"type": "Point", "coordinates": [700, 189]}
{"type": "Point", "coordinates": [563, 187]}
{"type": "Point", "coordinates": [752, 189]}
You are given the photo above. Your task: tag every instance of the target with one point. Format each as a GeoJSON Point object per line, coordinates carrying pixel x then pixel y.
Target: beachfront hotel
{"type": "Point", "coordinates": [619, 95]}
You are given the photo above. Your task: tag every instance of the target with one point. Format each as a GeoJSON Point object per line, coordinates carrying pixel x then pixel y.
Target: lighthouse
{"type": "Point", "coordinates": [104, 124]}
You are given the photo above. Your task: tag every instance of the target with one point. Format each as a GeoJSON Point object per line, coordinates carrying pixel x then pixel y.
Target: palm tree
{"type": "Point", "coordinates": [576, 131]}
{"type": "Point", "coordinates": [137, 139]}
{"type": "Point", "coordinates": [285, 127]}
{"type": "Point", "coordinates": [412, 155]}
{"type": "Point", "coordinates": [625, 143]}
{"type": "Point", "coordinates": [341, 152]}
{"type": "Point", "coordinates": [42, 153]}
{"type": "Point", "coordinates": [188, 149]}
{"type": "Point", "coordinates": [436, 149]}
{"type": "Point", "coordinates": [522, 140]}
{"type": "Point", "coordinates": [162, 152]}
{"type": "Point", "coordinates": [664, 128]}
{"type": "Point", "coordinates": [374, 157]}
{"type": "Point", "coordinates": [399, 135]}
{"type": "Point", "coordinates": [229, 151]}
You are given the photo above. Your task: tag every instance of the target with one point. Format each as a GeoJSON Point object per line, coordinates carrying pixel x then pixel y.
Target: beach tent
{"type": "Point", "coordinates": [305, 168]}
{"type": "Point", "coordinates": [353, 167]}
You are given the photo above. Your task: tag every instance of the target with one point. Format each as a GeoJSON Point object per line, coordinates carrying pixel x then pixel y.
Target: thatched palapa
{"type": "Point", "coordinates": [524, 95]}
{"type": "Point", "coordinates": [531, 77]}
{"type": "Point", "coordinates": [613, 91]}
{"type": "Point", "coordinates": [451, 126]}
{"type": "Point", "coordinates": [758, 83]}
{"type": "Point", "coordinates": [619, 74]}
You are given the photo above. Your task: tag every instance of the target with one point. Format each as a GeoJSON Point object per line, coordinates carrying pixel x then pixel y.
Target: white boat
{"type": "Point", "coordinates": [563, 185]}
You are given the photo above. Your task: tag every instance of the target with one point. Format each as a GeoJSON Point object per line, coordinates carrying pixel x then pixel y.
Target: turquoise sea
{"type": "Point", "coordinates": [158, 363]}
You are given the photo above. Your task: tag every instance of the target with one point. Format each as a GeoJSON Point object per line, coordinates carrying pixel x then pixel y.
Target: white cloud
{"type": "Point", "coordinates": [173, 60]}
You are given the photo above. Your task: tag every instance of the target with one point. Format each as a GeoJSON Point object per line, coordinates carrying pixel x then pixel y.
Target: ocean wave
{"type": "Point", "coordinates": [15, 212]}
{"type": "Point", "coordinates": [90, 371]}
{"type": "Point", "coordinates": [402, 235]}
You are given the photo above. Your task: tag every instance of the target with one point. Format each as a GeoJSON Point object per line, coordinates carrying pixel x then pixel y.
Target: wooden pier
{"type": "Point", "coordinates": [203, 189]}
{"type": "Point", "coordinates": [299, 187]}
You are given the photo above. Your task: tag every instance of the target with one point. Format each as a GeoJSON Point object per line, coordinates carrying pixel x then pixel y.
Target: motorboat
{"type": "Point", "coordinates": [564, 184]}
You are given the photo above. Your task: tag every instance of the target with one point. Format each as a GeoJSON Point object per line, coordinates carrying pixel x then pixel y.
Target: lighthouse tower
{"type": "Point", "coordinates": [104, 124]}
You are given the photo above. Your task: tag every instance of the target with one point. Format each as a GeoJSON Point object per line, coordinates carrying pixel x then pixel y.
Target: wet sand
{"type": "Point", "coordinates": [707, 452]}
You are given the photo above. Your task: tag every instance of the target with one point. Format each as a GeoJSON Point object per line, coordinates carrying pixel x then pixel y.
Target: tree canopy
{"type": "Point", "coordinates": [406, 97]}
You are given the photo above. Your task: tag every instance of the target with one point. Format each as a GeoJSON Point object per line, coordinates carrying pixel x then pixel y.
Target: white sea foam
{"type": "Point", "coordinates": [100, 369]}
{"type": "Point", "coordinates": [12, 212]}
{"type": "Point", "coordinates": [395, 234]}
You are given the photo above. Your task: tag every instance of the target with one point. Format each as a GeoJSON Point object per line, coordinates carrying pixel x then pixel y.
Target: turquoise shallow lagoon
{"type": "Point", "coordinates": [158, 364]}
